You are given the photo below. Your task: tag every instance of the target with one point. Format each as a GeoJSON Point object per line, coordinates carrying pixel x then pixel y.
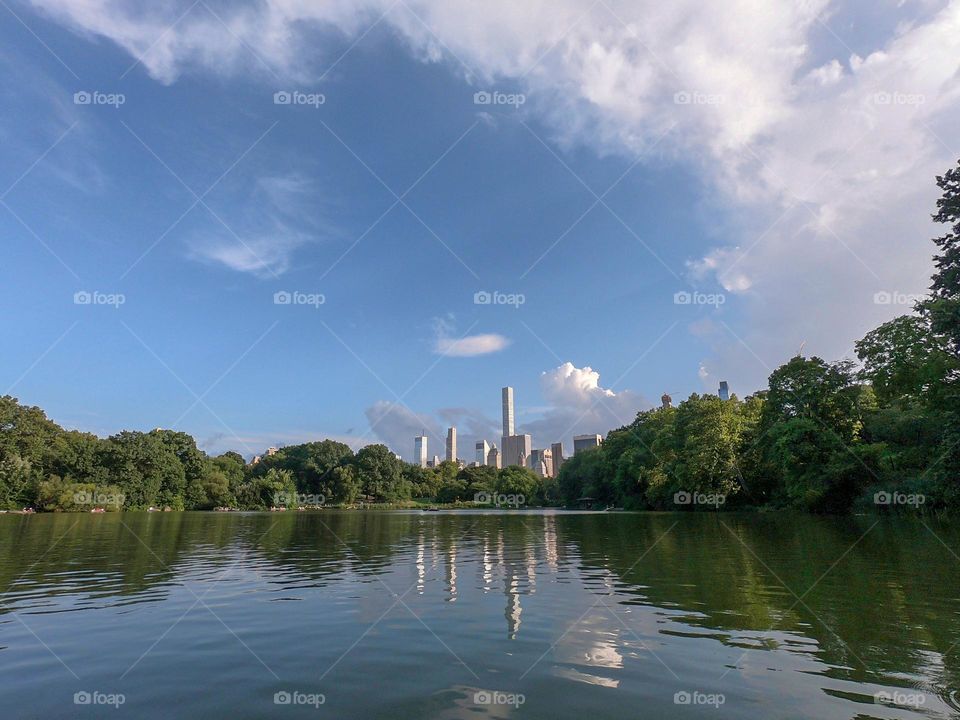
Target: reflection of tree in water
{"type": "Point", "coordinates": [885, 599]}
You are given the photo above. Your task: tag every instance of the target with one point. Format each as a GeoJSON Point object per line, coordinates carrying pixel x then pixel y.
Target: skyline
{"type": "Point", "coordinates": [353, 232]}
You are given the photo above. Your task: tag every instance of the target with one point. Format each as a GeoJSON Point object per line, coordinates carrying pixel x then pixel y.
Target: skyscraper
{"type": "Point", "coordinates": [507, 409]}
{"type": "Point", "coordinates": [482, 449]}
{"type": "Point", "coordinates": [493, 457]}
{"type": "Point", "coordinates": [557, 451]}
{"type": "Point", "coordinates": [724, 392]}
{"type": "Point", "coordinates": [585, 442]}
{"type": "Point", "coordinates": [420, 450]}
{"type": "Point", "coordinates": [541, 462]}
{"type": "Point", "coordinates": [452, 444]}
{"type": "Point", "coordinates": [516, 450]}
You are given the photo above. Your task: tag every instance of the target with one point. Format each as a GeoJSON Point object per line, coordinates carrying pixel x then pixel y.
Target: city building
{"type": "Point", "coordinates": [452, 444]}
{"type": "Point", "coordinates": [482, 449]}
{"type": "Point", "coordinates": [493, 458]}
{"type": "Point", "coordinates": [724, 391]}
{"type": "Point", "coordinates": [516, 450]}
{"type": "Point", "coordinates": [420, 450]}
{"type": "Point", "coordinates": [541, 462]}
{"type": "Point", "coordinates": [556, 450]}
{"type": "Point", "coordinates": [506, 395]}
{"type": "Point", "coordinates": [585, 442]}
{"type": "Point", "coordinates": [666, 401]}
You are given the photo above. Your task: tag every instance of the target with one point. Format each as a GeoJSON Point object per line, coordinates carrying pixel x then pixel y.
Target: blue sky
{"type": "Point", "coordinates": [199, 198]}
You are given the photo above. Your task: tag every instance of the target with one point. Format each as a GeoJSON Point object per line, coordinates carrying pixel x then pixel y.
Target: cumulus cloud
{"type": "Point", "coordinates": [824, 160]}
{"type": "Point", "coordinates": [578, 404]}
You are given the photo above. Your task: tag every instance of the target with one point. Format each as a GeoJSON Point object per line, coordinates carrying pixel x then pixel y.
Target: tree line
{"type": "Point", "coordinates": [822, 437]}
{"type": "Point", "coordinates": [46, 467]}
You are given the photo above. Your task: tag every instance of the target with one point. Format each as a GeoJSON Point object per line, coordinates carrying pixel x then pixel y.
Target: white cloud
{"type": "Point", "coordinates": [471, 345]}
{"type": "Point", "coordinates": [579, 404]}
{"type": "Point", "coordinates": [279, 217]}
{"type": "Point", "coordinates": [446, 341]}
{"type": "Point", "coordinates": [826, 164]}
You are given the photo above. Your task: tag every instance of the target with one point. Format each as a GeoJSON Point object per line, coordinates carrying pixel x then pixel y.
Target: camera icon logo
{"type": "Point", "coordinates": [82, 698]}
{"type": "Point", "coordinates": [681, 698]}
{"type": "Point", "coordinates": [482, 98]}
{"type": "Point", "coordinates": [682, 498]}
{"type": "Point", "coordinates": [282, 97]}
{"type": "Point", "coordinates": [282, 297]}
{"type": "Point", "coordinates": [682, 98]}
{"type": "Point", "coordinates": [882, 498]}
{"type": "Point", "coordinates": [882, 298]}
{"type": "Point", "coordinates": [82, 98]}
{"type": "Point", "coordinates": [483, 497]}
{"type": "Point", "coordinates": [82, 297]}
{"type": "Point", "coordinates": [482, 697]}
{"type": "Point", "coordinates": [282, 698]}
{"type": "Point", "coordinates": [682, 298]}
{"type": "Point", "coordinates": [482, 298]}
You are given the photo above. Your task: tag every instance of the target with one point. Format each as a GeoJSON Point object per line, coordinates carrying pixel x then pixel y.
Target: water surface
{"type": "Point", "coordinates": [474, 614]}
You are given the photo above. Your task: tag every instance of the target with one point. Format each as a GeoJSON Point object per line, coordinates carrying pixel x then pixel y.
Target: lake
{"type": "Point", "coordinates": [478, 614]}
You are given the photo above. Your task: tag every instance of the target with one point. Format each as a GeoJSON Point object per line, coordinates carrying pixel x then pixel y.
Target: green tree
{"type": "Point", "coordinates": [516, 480]}
{"type": "Point", "coordinates": [904, 358]}
{"type": "Point", "coordinates": [380, 474]}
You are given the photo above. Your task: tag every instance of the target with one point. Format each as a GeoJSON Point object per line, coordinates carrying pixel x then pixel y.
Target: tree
{"type": "Point", "coordinates": [312, 464]}
{"type": "Point", "coordinates": [345, 485]}
{"type": "Point", "coordinates": [380, 474]}
{"type": "Point", "coordinates": [943, 307]}
{"type": "Point", "coordinates": [904, 358]}
{"type": "Point", "coordinates": [516, 480]}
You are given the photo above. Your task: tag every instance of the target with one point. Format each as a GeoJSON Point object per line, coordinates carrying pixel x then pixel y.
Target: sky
{"type": "Point", "coordinates": [271, 222]}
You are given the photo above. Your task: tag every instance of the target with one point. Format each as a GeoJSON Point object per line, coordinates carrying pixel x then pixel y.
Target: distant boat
{"type": "Point", "coordinates": [431, 509]}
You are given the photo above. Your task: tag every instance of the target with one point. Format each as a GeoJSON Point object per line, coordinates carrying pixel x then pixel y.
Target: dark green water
{"type": "Point", "coordinates": [429, 615]}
